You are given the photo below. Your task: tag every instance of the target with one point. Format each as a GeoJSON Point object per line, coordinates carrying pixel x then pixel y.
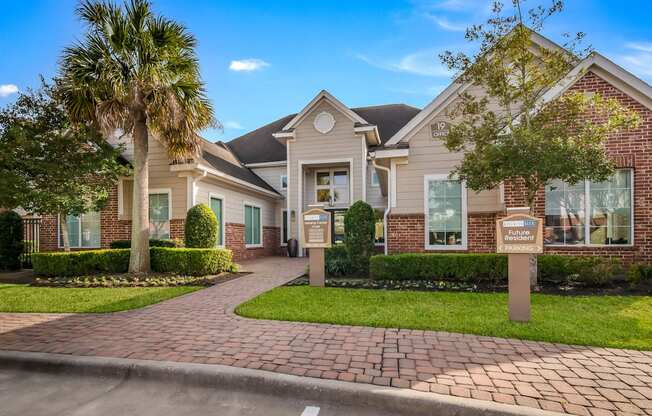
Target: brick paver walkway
{"type": "Point", "coordinates": [202, 328]}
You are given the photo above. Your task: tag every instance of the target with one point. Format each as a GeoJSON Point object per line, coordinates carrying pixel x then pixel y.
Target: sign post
{"type": "Point", "coordinates": [519, 235]}
{"type": "Point", "coordinates": [317, 237]}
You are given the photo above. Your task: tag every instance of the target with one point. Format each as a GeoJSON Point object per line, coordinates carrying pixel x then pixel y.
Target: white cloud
{"type": "Point", "coordinates": [639, 61]}
{"type": "Point", "coordinates": [456, 5]}
{"type": "Point", "coordinates": [233, 125]}
{"type": "Point", "coordinates": [425, 63]}
{"type": "Point", "coordinates": [248, 65]}
{"type": "Point", "coordinates": [8, 89]}
{"type": "Point", "coordinates": [446, 24]}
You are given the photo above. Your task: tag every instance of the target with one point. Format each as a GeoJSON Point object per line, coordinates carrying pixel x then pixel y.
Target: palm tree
{"type": "Point", "coordinates": [137, 73]}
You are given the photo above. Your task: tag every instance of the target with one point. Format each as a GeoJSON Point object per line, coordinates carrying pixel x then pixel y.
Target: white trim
{"type": "Point", "coordinates": [78, 246]}
{"type": "Point", "coordinates": [212, 195]}
{"type": "Point", "coordinates": [284, 135]}
{"type": "Point", "coordinates": [389, 153]}
{"type": "Point", "coordinates": [190, 192]}
{"type": "Point", "coordinates": [121, 208]}
{"type": "Point", "coordinates": [267, 164]}
{"type": "Point", "coordinates": [601, 62]}
{"type": "Point", "coordinates": [587, 222]}
{"type": "Point", "coordinates": [331, 184]}
{"type": "Point", "coordinates": [427, 245]}
{"type": "Point", "coordinates": [323, 94]}
{"type": "Point", "coordinates": [244, 212]}
{"type": "Point", "coordinates": [222, 175]}
{"type": "Point", "coordinates": [364, 129]}
{"type": "Point", "coordinates": [431, 109]}
{"type": "Point", "coordinates": [365, 166]}
{"type": "Point", "coordinates": [284, 188]}
{"type": "Point", "coordinates": [388, 209]}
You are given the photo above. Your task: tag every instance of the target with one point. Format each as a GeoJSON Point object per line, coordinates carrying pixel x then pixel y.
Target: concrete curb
{"type": "Point", "coordinates": [397, 401]}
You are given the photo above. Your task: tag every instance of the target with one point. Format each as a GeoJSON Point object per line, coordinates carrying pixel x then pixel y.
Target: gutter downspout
{"type": "Point", "coordinates": [389, 202]}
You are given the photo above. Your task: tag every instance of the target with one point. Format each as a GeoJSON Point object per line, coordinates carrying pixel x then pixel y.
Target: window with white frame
{"type": "Point", "coordinates": [446, 212]}
{"type": "Point", "coordinates": [253, 228]}
{"type": "Point", "coordinates": [159, 214]}
{"type": "Point", "coordinates": [332, 186]}
{"type": "Point", "coordinates": [284, 181]}
{"type": "Point", "coordinates": [83, 230]}
{"type": "Point", "coordinates": [590, 213]}
{"type": "Point", "coordinates": [374, 178]}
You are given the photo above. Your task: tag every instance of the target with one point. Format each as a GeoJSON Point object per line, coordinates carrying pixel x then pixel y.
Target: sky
{"type": "Point", "coordinates": [262, 60]}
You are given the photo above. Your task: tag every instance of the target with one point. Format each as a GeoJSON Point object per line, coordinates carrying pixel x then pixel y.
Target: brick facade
{"type": "Point", "coordinates": [629, 149]}
{"type": "Point", "coordinates": [112, 229]}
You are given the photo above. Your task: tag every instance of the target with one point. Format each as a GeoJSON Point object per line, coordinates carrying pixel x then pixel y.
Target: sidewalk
{"type": "Point", "coordinates": [201, 328]}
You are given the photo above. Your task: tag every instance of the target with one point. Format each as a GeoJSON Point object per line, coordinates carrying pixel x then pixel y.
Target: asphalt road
{"type": "Point", "coordinates": [25, 393]}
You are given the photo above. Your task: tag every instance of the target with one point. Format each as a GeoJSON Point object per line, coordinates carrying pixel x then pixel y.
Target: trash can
{"type": "Point", "coordinates": [293, 247]}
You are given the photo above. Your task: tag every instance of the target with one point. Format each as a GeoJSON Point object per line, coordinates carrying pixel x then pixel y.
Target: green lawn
{"type": "Point", "coordinates": [23, 298]}
{"type": "Point", "coordinates": [609, 321]}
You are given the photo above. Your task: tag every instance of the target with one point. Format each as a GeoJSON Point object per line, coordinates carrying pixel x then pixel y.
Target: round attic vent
{"type": "Point", "coordinates": [324, 122]}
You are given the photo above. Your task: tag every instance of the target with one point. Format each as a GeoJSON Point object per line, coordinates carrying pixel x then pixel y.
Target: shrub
{"type": "Point", "coordinates": [639, 273]}
{"type": "Point", "coordinates": [78, 263]}
{"type": "Point", "coordinates": [153, 242]}
{"type": "Point", "coordinates": [359, 226]}
{"type": "Point", "coordinates": [201, 227]}
{"type": "Point", "coordinates": [338, 262]}
{"type": "Point", "coordinates": [471, 268]}
{"type": "Point", "coordinates": [191, 261]}
{"type": "Point", "coordinates": [11, 240]}
{"type": "Point", "coordinates": [491, 268]}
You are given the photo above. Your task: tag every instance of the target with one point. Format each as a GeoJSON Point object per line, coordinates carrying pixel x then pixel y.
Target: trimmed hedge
{"type": "Point", "coordinates": [639, 274]}
{"type": "Point", "coordinates": [201, 227]}
{"type": "Point", "coordinates": [491, 268]}
{"type": "Point", "coordinates": [78, 263]}
{"type": "Point", "coordinates": [11, 240]}
{"type": "Point", "coordinates": [189, 261]}
{"type": "Point", "coordinates": [153, 242]}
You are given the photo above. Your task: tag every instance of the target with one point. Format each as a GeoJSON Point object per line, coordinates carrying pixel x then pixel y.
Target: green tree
{"type": "Point", "coordinates": [359, 229]}
{"type": "Point", "coordinates": [50, 165]}
{"type": "Point", "coordinates": [511, 134]}
{"type": "Point", "coordinates": [138, 73]}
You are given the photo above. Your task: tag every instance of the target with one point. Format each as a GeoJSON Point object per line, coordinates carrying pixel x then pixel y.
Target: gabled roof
{"type": "Point", "coordinates": [260, 146]}
{"type": "Point", "coordinates": [235, 170]}
{"type": "Point", "coordinates": [324, 95]}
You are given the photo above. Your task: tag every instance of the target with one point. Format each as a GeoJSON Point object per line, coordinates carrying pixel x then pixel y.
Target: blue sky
{"type": "Point", "coordinates": [262, 60]}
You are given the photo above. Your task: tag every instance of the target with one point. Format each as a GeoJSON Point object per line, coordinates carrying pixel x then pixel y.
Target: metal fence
{"type": "Point", "coordinates": [31, 230]}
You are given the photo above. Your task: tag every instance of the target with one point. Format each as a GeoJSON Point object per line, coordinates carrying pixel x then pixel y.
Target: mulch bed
{"type": "Point", "coordinates": [130, 280]}
{"type": "Point", "coordinates": [617, 288]}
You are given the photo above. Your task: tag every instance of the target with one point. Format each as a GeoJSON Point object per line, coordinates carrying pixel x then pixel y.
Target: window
{"type": "Point", "coordinates": [374, 178]}
{"type": "Point", "coordinates": [590, 213]}
{"type": "Point", "coordinates": [445, 209]}
{"type": "Point", "coordinates": [253, 230]}
{"type": "Point", "coordinates": [284, 181]}
{"type": "Point", "coordinates": [284, 227]}
{"type": "Point", "coordinates": [379, 230]}
{"type": "Point", "coordinates": [83, 230]}
{"type": "Point", "coordinates": [332, 186]}
{"type": "Point", "coordinates": [159, 214]}
{"type": "Point", "coordinates": [217, 205]}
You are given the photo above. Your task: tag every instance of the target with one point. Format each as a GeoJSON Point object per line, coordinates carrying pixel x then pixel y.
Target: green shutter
{"type": "Point", "coordinates": [216, 206]}
{"type": "Point", "coordinates": [248, 224]}
{"type": "Point", "coordinates": [256, 214]}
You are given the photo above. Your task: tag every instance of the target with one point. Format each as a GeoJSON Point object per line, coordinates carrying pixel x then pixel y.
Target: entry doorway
{"type": "Point", "coordinates": [337, 221]}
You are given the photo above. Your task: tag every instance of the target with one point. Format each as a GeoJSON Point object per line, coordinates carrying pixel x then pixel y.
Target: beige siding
{"type": "Point", "coordinates": [310, 145]}
{"type": "Point", "coordinates": [375, 197]}
{"type": "Point", "coordinates": [272, 175]}
{"type": "Point", "coordinates": [160, 177]}
{"type": "Point", "coordinates": [234, 200]}
{"type": "Point", "coordinates": [430, 156]}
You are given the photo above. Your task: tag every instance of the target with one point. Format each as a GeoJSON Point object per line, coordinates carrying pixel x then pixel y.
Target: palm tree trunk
{"type": "Point", "coordinates": [65, 237]}
{"type": "Point", "coordinates": [139, 259]}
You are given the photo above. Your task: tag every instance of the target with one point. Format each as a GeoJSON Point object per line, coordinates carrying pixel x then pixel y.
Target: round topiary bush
{"type": "Point", "coordinates": [201, 227]}
{"type": "Point", "coordinates": [11, 240]}
{"type": "Point", "coordinates": [359, 228]}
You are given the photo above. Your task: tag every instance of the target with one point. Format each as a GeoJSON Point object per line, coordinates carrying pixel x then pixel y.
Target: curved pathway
{"type": "Point", "coordinates": [201, 327]}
